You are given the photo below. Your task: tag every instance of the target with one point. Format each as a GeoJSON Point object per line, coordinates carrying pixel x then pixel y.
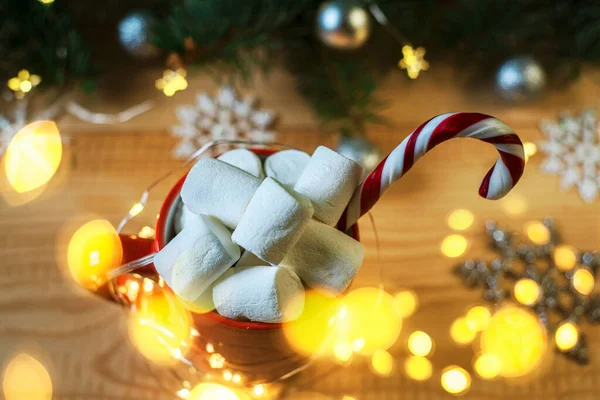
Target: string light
{"type": "Point", "coordinates": [413, 61]}
{"type": "Point", "coordinates": [517, 338]}
{"type": "Point", "coordinates": [454, 246]}
{"type": "Point", "coordinates": [210, 348]}
{"type": "Point", "coordinates": [23, 83]}
{"type": "Point", "coordinates": [46, 1]}
{"type": "Point", "coordinates": [212, 391]}
{"type": "Point", "coordinates": [514, 204]}
{"type": "Point", "coordinates": [487, 366]}
{"type": "Point", "coordinates": [236, 378]}
{"type": "Point", "coordinates": [227, 375]}
{"type": "Point", "coordinates": [455, 380]}
{"type": "Point", "coordinates": [418, 368]}
{"type": "Point", "coordinates": [343, 351]}
{"type": "Point", "coordinates": [419, 343]}
{"type": "Point", "coordinates": [146, 232]}
{"type": "Point", "coordinates": [148, 287]}
{"type": "Point", "coordinates": [33, 156]}
{"type": "Point", "coordinates": [26, 378]}
{"type": "Point", "coordinates": [461, 332]}
{"type": "Point", "coordinates": [216, 361]}
{"type": "Point", "coordinates": [565, 258]}
{"type": "Point", "coordinates": [537, 232]}
{"type": "Point", "coordinates": [358, 345]}
{"type": "Point", "coordinates": [183, 393]}
{"type": "Point", "coordinates": [172, 81]}
{"type": "Point", "coordinates": [406, 303]}
{"type": "Point", "coordinates": [382, 363]}
{"type": "Point", "coordinates": [478, 318]}
{"type": "Point", "coordinates": [461, 219]}
{"type": "Point", "coordinates": [530, 149]}
{"type": "Point", "coordinates": [527, 291]}
{"type": "Point", "coordinates": [583, 281]}
{"type": "Point", "coordinates": [259, 390]}
{"type": "Point", "coordinates": [136, 209]}
{"type": "Point", "coordinates": [566, 336]}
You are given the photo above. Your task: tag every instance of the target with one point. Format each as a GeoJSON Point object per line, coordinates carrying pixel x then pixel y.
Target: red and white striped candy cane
{"type": "Point", "coordinates": [499, 180]}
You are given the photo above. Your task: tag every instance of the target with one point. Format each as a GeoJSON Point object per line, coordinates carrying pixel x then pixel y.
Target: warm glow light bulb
{"type": "Point", "coordinates": [461, 332]}
{"type": "Point", "coordinates": [420, 344]}
{"type": "Point", "coordinates": [519, 340]}
{"type": "Point", "coordinates": [566, 336]}
{"type": "Point", "coordinates": [460, 220]}
{"type": "Point", "coordinates": [370, 314]}
{"type": "Point", "coordinates": [478, 318]}
{"type": "Point", "coordinates": [343, 351]}
{"type": "Point", "coordinates": [33, 156]}
{"type": "Point", "coordinates": [212, 391]}
{"type": "Point", "coordinates": [514, 204]}
{"type": "Point", "coordinates": [406, 303]}
{"type": "Point", "coordinates": [527, 291]}
{"type": "Point", "coordinates": [565, 258]}
{"type": "Point", "coordinates": [487, 366]}
{"type": "Point", "coordinates": [382, 363]}
{"type": "Point", "coordinates": [454, 246]}
{"type": "Point", "coordinates": [418, 368]}
{"type": "Point", "coordinates": [530, 149]}
{"type": "Point", "coordinates": [583, 281]}
{"type": "Point", "coordinates": [455, 380]}
{"type": "Point", "coordinates": [94, 250]}
{"type": "Point", "coordinates": [537, 232]}
{"type": "Point", "coordinates": [26, 378]}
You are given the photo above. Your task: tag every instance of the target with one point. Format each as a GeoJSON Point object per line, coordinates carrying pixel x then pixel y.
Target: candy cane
{"type": "Point", "coordinates": [499, 180]}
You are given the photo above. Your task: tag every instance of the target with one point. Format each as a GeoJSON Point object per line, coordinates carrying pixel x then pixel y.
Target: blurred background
{"type": "Point", "coordinates": [481, 299]}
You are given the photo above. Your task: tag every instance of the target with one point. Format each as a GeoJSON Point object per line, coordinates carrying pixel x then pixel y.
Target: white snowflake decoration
{"type": "Point", "coordinates": [224, 116]}
{"type": "Point", "coordinates": [572, 146]}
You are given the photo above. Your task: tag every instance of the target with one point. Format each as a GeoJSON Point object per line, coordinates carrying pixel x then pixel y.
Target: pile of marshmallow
{"type": "Point", "coordinates": [250, 244]}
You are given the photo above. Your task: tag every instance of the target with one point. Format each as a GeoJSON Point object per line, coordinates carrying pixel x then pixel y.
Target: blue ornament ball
{"type": "Point", "coordinates": [135, 35]}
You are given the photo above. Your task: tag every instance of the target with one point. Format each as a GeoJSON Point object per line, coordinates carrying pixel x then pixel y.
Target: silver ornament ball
{"type": "Point", "coordinates": [343, 24]}
{"type": "Point", "coordinates": [360, 150]}
{"type": "Point", "coordinates": [520, 79]}
{"type": "Point", "coordinates": [135, 35]}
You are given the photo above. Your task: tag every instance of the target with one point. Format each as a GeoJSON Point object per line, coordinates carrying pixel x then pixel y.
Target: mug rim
{"type": "Point", "coordinates": [160, 242]}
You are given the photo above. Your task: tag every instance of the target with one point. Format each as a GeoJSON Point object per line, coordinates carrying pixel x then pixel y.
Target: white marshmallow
{"type": "Point", "coordinates": [244, 160]}
{"type": "Point", "coordinates": [286, 166]}
{"type": "Point", "coordinates": [183, 217]}
{"type": "Point", "coordinates": [260, 294]}
{"type": "Point", "coordinates": [273, 222]}
{"type": "Point", "coordinates": [325, 258]}
{"type": "Point", "coordinates": [249, 260]}
{"type": "Point", "coordinates": [329, 181]}
{"type": "Point", "coordinates": [196, 257]}
{"type": "Point", "coordinates": [218, 189]}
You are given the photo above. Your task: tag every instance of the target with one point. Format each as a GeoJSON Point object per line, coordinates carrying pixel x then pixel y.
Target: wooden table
{"type": "Point", "coordinates": [82, 341]}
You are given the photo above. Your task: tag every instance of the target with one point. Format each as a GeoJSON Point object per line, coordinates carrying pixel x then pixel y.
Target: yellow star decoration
{"type": "Point", "coordinates": [172, 81]}
{"type": "Point", "coordinates": [414, 61]}
{"type": "Point", "coordinates": [23, 83]}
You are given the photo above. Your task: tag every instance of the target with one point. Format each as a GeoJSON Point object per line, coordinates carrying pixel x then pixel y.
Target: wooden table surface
{"type": "Point", "coordinates": [82, 340]}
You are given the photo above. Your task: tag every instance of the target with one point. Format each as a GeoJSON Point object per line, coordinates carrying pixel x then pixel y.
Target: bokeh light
{"type": "Point", "coordinates": [537, 232]}
{"type": "Point", "coordinates": [565, 258]}
{"type": "Point", "coordinates": [566, 336]}
{"type": "Point", "coordinates": [420, 343]}
{"type": "Point", "coordinates": [527, 291]}
{"type": "Point", "coordinates": [461, 332]}
{"type": "Point", "coordinates": [460, 219]}
{"type": "Point", "coordinates": [308, 333]}
{"type": "Point", "coordinates": [487, 366]}
{"type": "Point", "coordinates": [530, 149]}
{"type": "Point", "coordinates": [517, 338]}
{"type": "Point", "coordinates": [583, 281]}
{"type": "Point", "coordinates": [514, 204]}
{"type": "Point", "coordinates": [418, 368]}
{"type": "Point", "coordinates": [212, 391]}
{"type": "Point", "coordinates": [259, 390]}
{"type": "Point", "coordinates": [26, 378]}
{"type": "Point", "coordinates": [160, 327]}
{"type": "Point", "coordinates": [455, 380]}
{"type": "Point", "coordinates": [454, 246]}
{"type": "Point", "coordinates": [478, 318]}
{"type": "Point", "coordinates": [407, 302]}
{"type": "Point", "coordinates": [33, 156]}
{"type": "Point", "coordinates": [370, 314]}
{"type": "Point", "coordinates": [146, 232]}
{"type": "Point", "coordinates": [216, 361]}
{"type": "Point", "coordinates": [93, 250]}
{"type": "Point", "coordinates": [382, 363]}
{"type": "Point", "coordinates": [343, 351]}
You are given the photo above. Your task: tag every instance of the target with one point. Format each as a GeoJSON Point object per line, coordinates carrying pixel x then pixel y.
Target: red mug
{"type": "Point", "coordinates": [258, 351]}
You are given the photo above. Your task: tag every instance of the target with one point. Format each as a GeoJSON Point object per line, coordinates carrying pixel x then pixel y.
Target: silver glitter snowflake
{"type": "Point", "coordinates": [224, 116]}
{"type": "Point", "coordinates": [558, 300]}
{"type": "Point", "coordinates": [572, 146]}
